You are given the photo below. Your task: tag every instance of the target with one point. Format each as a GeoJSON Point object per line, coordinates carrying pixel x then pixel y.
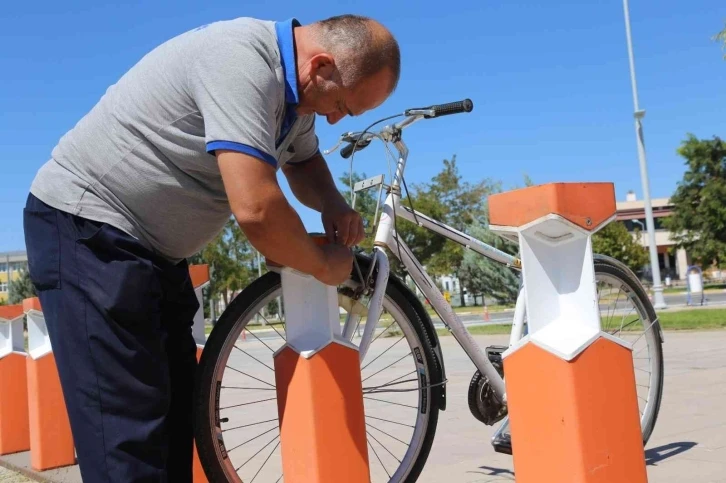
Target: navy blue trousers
{"type": "Point", "coordinates": [119, 320]}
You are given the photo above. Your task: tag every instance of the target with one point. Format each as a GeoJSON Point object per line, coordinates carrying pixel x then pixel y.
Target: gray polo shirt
{"type": "Point", "coordinates": [143, 159]}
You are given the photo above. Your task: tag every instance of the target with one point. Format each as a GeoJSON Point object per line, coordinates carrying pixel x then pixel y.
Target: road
{"type": "Point", "coordinates": [712, 298]}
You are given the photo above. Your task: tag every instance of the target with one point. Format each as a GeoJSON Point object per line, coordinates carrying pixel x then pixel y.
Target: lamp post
{"type": "Point", "coordinates": [659, 300]}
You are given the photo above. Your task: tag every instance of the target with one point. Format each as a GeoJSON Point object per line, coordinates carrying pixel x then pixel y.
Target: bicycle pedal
{"type": "Point", "coordinates": [502, 443]}
{"type": "Point", "coordinates": [502, 439]}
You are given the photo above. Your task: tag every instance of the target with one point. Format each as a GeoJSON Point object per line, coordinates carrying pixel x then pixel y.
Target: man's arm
{"type": "Point", "coordinates": [270, 223]}
{"type": "Point", "coordinates": [313, 185]}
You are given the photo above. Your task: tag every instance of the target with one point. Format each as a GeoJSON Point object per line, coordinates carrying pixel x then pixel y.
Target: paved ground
{"type": "Point", "coordinates": [688, 445]}
{"type": "Point", "coordinates": [9, 476]}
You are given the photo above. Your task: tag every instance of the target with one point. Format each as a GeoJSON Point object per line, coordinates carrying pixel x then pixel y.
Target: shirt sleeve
{"type": "Point", "coordinates": [236, 91]}
{"type": "Point", "coordinates": [306, 143]}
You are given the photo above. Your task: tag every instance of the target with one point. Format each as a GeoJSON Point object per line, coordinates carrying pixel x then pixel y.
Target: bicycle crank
{"type": "Point", "coordinates": [483, 403]}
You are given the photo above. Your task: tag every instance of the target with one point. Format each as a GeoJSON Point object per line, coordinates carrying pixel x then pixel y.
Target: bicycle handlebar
{"type": "Point", "coordinates": [358, 141]}
{"type": "Point", "coordinates": [444, 109]}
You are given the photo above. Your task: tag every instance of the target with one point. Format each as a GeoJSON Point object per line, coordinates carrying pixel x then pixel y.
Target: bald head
{"type": "Point", "coordinates": [362, 47]}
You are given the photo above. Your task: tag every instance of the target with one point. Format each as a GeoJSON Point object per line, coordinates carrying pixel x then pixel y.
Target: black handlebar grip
{"type": "Point", "coordinates": [347, 150]}
{"type": "Point", "coordinates": [453, 108]}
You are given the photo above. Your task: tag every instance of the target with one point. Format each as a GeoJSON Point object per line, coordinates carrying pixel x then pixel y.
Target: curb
{"type": "Point", "coordinates": [25, 472]}
{"type": "Point", "coordinates": [20, 463]}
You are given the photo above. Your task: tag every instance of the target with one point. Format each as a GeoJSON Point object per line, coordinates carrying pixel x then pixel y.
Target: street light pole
{"type": "Point", "coordinates": [659, 302]}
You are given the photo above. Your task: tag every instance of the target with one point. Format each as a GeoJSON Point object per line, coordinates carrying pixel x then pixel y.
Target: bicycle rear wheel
{"type": "Point", "coordinates": [627, 313]}
{"type": "Point", "coordinates": [236, 423]}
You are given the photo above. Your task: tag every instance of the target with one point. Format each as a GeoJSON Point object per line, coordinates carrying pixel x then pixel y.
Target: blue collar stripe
{"type": "Point", "coordinates": [285, 42]}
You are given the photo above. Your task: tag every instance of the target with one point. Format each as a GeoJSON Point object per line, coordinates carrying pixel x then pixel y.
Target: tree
{"type": "Point", "coordinates": [698, 223]}
{"type": "Point", "coordinates": [21, 289]}
{"type": "Point", "coordinates": [448, 199]}
{"type": "Point", "coordinates": [486, 277]}
{"type": "Point", "coordinates": [231, 259]}
{"type": "Point", "coordinates": [615, 241]}
{"type": "Point", "coordinates": [721, 38]}
{"type": "Point", "coordinates": [365, 204]}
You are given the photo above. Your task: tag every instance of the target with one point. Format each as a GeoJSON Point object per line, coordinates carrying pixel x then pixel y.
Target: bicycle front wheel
{"type": "Point", "coordinates": [236, 423]}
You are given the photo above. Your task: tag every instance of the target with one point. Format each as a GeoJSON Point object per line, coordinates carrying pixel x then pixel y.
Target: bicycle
{"type": "Point", "coordinates": [372, 291]}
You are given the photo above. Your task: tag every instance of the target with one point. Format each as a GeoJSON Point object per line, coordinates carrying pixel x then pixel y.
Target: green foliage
{"type": "Point", "coordinates": [698, 223]}
{"type": "Point", "coordinates": [483, 276]}
{"type": "Point", "coordinates": [615, 241]}
{"type": "Point", "coordinates": [232, 261]}
{"type": "Point", "coordinates": [450, 200]}
{"type": "Point", "coordinates": [365, 204]}
{"type": "Point", "coordinates": [721, 38]}
{"type": "Point", "coordinates": [21, 289]}
{"type": "Point", "coordinates": [273, 307]}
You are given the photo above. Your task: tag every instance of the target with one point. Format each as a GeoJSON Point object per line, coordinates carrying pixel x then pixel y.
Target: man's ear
{"type": "Point", "coordinates": [322, 65]}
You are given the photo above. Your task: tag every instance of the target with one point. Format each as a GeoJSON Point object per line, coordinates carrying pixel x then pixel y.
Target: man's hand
{"type": "Point", "coordinates": [342, 224]}
{"type": "Point", "coordinates": [313, 186]}
{"type": "Point", "coordinates": [339, 264]}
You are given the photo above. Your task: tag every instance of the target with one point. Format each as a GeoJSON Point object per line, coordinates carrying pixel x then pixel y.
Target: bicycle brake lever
{"type": "Point", "coordinates": [344, 138]}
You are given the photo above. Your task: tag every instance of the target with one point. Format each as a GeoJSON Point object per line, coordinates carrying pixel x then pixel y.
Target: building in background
{"type": "Point", "coordinates": [673, 262]}
{"type": "Point", "coordinates": [11, 264]}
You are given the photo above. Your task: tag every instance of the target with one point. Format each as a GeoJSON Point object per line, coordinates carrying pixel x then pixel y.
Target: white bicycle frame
{"type": "Point", "coordinates": [386, 237]}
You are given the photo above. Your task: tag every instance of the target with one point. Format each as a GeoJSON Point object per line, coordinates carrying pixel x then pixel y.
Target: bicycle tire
{"type": "Point", "coordinates": [211, 454]}
{"type": "Point", "coordinates": [654, 336]}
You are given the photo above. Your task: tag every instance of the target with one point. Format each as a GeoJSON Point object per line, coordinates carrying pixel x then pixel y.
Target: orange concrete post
{"type": "Point", "coordinates": [319, 389]}
{"type": "Point", "coordinates": [200, 279]}
{"type": "Point", "coordinates": [14, 430]}
{"type": "Point", "coordinates": [563, 377]}
{"type": "Point", "coordinates": [51, 441]}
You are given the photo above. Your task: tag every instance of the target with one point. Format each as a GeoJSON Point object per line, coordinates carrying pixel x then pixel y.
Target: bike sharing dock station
{"type": "Point", "coordinates": [571, 392]}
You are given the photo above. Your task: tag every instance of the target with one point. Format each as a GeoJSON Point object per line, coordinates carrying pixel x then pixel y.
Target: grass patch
{"type": "Point", "coordinates": [693, 319]}
{"type": "Point", "coordinates": [474, 309]}
{"type": "Point", "coordinates": [482, 329]}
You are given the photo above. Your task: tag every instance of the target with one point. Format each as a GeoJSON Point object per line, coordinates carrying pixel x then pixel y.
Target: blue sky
{"type": "Point", "coordinates": [549, 81]}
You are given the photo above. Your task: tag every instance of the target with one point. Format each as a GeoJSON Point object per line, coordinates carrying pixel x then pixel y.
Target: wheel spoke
{"type": "Point", "coordinates": [389, 365]}
{"type": "Point", "coordinates": [379, 389]}
{"type": "Point", "coordinates": [253, 357]}
{"type": "Point", "coordinates": [253, 377]}
{"type": "Point", "coordinates": [252, 439]}
{"type": "Point", "coordinates": [381, 444]}
{"type": "Point", "coordinates": [265, 462]}
{"type": "Point", "coordinates": [258, 452]}
{"type": "Point", "coordinates": [390, 436]}
{"type": "Point", "coordinates": [248, 403]}
{"type": "Point", "coordinates": [392, 422]}
{"type": "Point", "coordinates": [250, 388]}
{"type": "Point", "coordinates": [248, 425]}
{"type": "Point", "coordinates": [379, 459]}
{"type": "Point", "coordinates": [273, 328]}
{"type": "Point", "coordinates": [390, 402]}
